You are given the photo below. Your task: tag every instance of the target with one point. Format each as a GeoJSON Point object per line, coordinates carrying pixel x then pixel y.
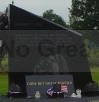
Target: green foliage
{"type": "Point", "coordinates": [4, 62]}
{"type": "Point", "coordinates": [93, 55]}
{"type": "Point", "coordinates": [84, 15]}
{"type": "Point", "coordinates": [50, 15]}
{"type": "Point", "coordinates": [91, 35]}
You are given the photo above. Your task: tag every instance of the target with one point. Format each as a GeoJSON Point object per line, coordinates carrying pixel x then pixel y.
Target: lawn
{"type": "Point", "coordinates": [3, 83]}
{"type": "Point", "coordinates": [95, 74]}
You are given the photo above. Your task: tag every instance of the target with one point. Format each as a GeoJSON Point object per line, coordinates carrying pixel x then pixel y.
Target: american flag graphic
{"type": "Point", "coordinates": [64, 88]}
{"type": "Point", "coordinates": [50, 91]}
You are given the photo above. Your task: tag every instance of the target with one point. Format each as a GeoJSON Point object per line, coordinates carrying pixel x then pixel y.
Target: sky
{"type": "Point", "coordinates": [37, 7]}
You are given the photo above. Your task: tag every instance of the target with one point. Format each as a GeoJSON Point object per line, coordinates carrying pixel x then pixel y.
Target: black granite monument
{"type": "Point", "coordinates": [19, 67]}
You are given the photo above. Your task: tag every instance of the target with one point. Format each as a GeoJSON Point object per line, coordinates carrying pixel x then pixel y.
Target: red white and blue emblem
{"type": "Point", "coordinates": [64, 89]}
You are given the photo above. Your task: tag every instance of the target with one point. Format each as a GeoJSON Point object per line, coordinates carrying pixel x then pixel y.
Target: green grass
{"type": "Point", "coordinates": [3, 83]}
{"type": "Point", "coordinates": [95, 74]}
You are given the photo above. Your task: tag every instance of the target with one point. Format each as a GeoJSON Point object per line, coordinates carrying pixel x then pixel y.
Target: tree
{"type": "Point", "coordinates": [84, 15]}
{"type": "Point", "coordinates": [3, 53]}
{"type": "Point", "coordinates": [50, 15]}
